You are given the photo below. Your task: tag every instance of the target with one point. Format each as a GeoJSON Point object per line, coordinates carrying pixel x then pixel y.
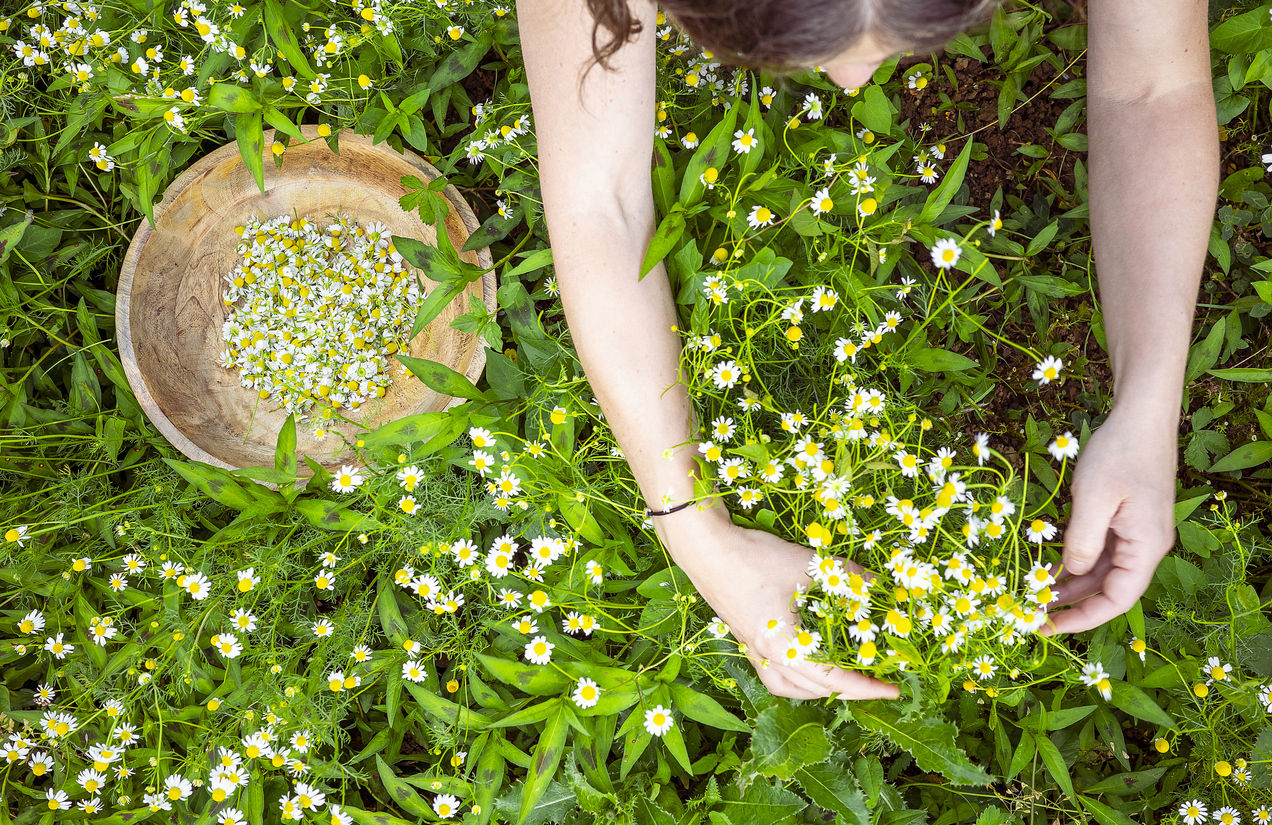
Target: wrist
{"type": "Point", "coordinates": [693, 536]}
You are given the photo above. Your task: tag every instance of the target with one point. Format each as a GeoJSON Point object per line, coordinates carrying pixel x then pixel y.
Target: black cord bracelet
{"type": "Point", "coordinates": [675, 509]}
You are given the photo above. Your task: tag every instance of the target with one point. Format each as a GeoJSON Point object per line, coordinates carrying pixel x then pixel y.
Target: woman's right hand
{"type": "Point", "coordinates": [749, 577]}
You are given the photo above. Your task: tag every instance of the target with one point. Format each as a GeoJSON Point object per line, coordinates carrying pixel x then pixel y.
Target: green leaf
{"type": "Point", "coordinates": [1137, 703]}
{"type": "Point", "coordinates": [436, 301]}
{"type": "Point", "coordinates": [663, 177]}
{"type": "Point", "coordinates": [1023, 754]}
{"type": "Point", "coordinates": [445, 709]}
{"type": "Point", "coordinates": [832, 786]}
{"type": "Point", "coordinates": [929, 740]}
{"type": "Point", "coordinates": [360, 816]}
{"type": "Point", "coordinates": [250, 136]}
{"type": "Point", "coordinates": [391, 621]}
{"type": "Point", "coordinates": [1104, 814]}
{"type": "Point", "coordinates": [1204, 354]}
{"type": "Point", "coordinates": [489, 776]}
{"type": "Point", "coordinates": [787, 737]}
{"type": "Point", "coordinates": [282, 123]}
{"type": "Point", "coordinates": [1043, 238]}
{"type": "Point", "coordinates": [939, 360]}
{"type": "Point", "coordinates": [669, 231]}
{"type": "Point", "coordinates": [218, 485]}
{"type": "Point", "coordinates": [875, 110]}
{"type": "Point", "coordinates": [713, 151]}
{"type": "Point", "coordinates": [547, 756]}
{"type": "Point", "coordinates": [10, 235]}
{"type": "Point", "coordinates": [231, 97]}
{"type": "Point", "coordinates": [1127, 783]}
{"type": "Point", "coordinates": [403, 794]}
{"type": "Point", "coordinates": [457, 65]}
{"type": "Point", "coordinates": [533, 262]}
{"type": "Point", "coordinates": [945, 191]}
{"type": "Point", "coordinates": [1055, 764]}
{"type": "Point", "coordinates": [285, 39]}
{"type": "Point", "coordinates": [1247, 455]}
{"type": "Point", "coordinates": [533, 679]}
{"type": "Point", "coordinates": [285, 460]}
{"type": "Point", "coordinates": [327, 515]}
{"type": "Point", "coordinates": [419, 427]}
{"type": "Point", "coordinates": [441, 378]}
{"type": "Point", "coordinates": [1249, 376]}
{"type": "Point", "coordinates": [496, 228]}
{"type": "Point", "coordinates": [764, 803]}
{"type": "Point", "coordinates": [1247, 33]}
{"type": "Point", "coordinates": [702, 708]}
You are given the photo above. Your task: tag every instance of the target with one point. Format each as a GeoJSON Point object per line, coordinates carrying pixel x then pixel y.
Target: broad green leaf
{"type": "Point", "coordinates": [929, 740]}
{"type": "Point", "coordinates": [1055, 764]}
{"type": "Point", "coordinates": [250, 136]}
{"type": "Point", "coordinates": [663, 177]}
{"type": "Point", "coordinates": [441, 378]}
{"type": "Point", "coordinates": [327, 515]}
{"type": "Point", "coordinates": [391, 621]}
{"type": "Point", "coordinates": [489, 776]}
{"type": "Point", "coordinates": [231, 97]}
{"type": "Point", "coordinates": [282, 123]}
{"type": "Point", "coordinates": [1126, 783]}
{"type": "Point", "coordinates": [939, 360]}
{"type": "Point", "coordinates": [285, 449]}
{"type": "Point", "coordinates": [1137, 703]}
{"type": "Point", "coordinates": [151, 169]}
{"type": "Point", "coordinates": [285, 38]}
{"type": "Point", "coordinates": [1249, 376]}
{"type": "Point", "coordinates": [668, 232]}
{"type": "Point", "coordinates": [418, 427]}
{"type": "Point", "coordinates": [534, 679]}
{"type": "Point", "coordinates": [531, 714]}
{"type": "Point", "coordinates": [1204, 354]}
{"type": "Point", "coordinates": [10, 235]}
{"type": "Point", "coordinates": [712, 152]}
{"type": "Point", "coordinates": [1023, 755]}
{"type": "Point", "coordinates": [875, 110]}
{"type": "Point", "coordinates": [1247, 33]}
{"type": "Point", "coordinates": [787, 737]}
{"type": "Point", "coordinates": [832, 786]}
{"type": "Point", "coordinates": [1104, 814]}
{"type": "Point", "coordinates": [945, 191]}
{"type": "Point", "coordinates": [1247, 455]}
{"type": "Point", "coordinates": [702, 708]}
{"type": "Point", "coordinates": [457, 65]}
{"type": "Point", "coordinates": [437, 300]}
{"type": "Point", "coordinates": [403, 794]}
{"type": "Point", "coordinates": [445, 709]}
{"type": "Point", "coordinates": [360, 816]}
{"type": "Point", "coordinates": [532, 262]}
{"type": "Point", "coordinates": [547, 755]}
{"type": "Point", "coordinates": [495, 228]}
{"type": "Point", "coordinates": [764, 803]}
{"type": "Point", "coordinates": [1183, 509]}
{"type": "Point", "coordinates": [218, 485]}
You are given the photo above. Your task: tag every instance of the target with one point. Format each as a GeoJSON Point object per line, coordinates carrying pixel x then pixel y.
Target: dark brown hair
{"type": "Point", "coordinates": [787, 35]}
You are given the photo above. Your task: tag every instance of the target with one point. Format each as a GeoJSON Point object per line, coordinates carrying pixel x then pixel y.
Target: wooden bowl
{"type": "Point", "coordinates": [169, 308]}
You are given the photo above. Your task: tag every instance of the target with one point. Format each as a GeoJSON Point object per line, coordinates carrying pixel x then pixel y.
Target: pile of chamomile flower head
{"type": "Point", "coordinates": [317, 313]}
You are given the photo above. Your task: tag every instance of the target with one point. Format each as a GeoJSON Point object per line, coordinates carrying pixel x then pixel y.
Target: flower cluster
{"type": "Point", "coordinates": [321, 311]}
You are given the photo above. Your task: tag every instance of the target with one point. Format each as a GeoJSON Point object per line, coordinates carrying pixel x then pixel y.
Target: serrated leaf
{"type": "Point", "coordinates": [833, 787]}
{"type": "Point", "coordinates": [762, 804]}
{"type": "Point", "coordinates": [930, 741]}
{"type": "Point", "coordinates": [787, 737]}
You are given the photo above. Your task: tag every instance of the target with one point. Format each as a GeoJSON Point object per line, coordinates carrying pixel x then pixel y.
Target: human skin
{"type": "Point", "coordinates": [595, 145]}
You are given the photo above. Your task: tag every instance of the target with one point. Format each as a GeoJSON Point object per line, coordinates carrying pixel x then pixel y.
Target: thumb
{"type": "Point", "coordinates": [1085, 537]}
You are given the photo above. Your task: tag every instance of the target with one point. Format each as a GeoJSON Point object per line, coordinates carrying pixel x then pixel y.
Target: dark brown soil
{"type": "Point", "coordinates": [973, 109]}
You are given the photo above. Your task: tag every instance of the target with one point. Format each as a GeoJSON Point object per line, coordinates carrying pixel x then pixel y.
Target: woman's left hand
{"type": "Point", "coordinates": [1122, 524]}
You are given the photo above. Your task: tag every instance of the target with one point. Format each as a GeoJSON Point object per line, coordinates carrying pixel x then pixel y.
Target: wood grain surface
{"type": "Point", "coordinates": [169, 308]}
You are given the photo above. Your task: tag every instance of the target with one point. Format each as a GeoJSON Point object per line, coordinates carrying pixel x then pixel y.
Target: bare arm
{"type": "Point", "coordinates": [1154, 153]}
{"type": "Point", "coordinates": [594, 164]}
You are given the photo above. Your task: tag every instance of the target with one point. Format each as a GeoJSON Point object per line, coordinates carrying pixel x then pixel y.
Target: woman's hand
{"type": "Point", "coordinates": [749, 577]}
{"type": "Point", "coordinates": [1122, 524]}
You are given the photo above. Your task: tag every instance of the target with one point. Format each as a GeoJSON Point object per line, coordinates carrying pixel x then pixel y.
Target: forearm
{"type": "Point", "coordinates": [1154, 179]}
{"type": "Point", "coordinates": [624, 332]}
